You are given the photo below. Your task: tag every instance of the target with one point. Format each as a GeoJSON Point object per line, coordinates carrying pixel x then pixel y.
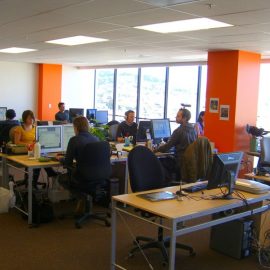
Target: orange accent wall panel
{"type": "Point", "coordinates": [233, 78]}
{"type": "Point", "coordinates": [49, 90]}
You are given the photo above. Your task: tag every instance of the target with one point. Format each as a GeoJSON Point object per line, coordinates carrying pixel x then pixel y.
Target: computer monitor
{"type": "Point", "coordinates": [68, 132]}
{"type": "Point", "coordinates": [102, 117]}
{"type": "Point", "coordinates": [141, 133]}
{"type": "Point", "coordinates": [42, 123]}
{"type": "Point", "coordinates": [74, 112]}
{"type": "Point", "coordinates": [224, 171]}
{"type": "Point", "coordinates": [3, 111]}
{"type": "Point", "coordinates": [160, 129]}
{"type": "Point", "coordinates": [50, 138]}
{"type": "Point", "coordinates": [91, 114]}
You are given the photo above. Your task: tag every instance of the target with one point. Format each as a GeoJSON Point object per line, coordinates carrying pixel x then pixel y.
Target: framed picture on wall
{"type": "Point", "coordinates": [214, 105]}
{"type": "Point", "coordinates": [224, 112]}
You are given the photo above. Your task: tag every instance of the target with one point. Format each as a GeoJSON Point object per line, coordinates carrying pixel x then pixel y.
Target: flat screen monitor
{"type": "Point", "coordinates": [91, 114]}
{"type": "Point", "coordinates": [50, 138]}
{"type": "Point", "coordinates": [102, 117]}
{"type": "Point", "coordinates": [141, 133]}
{"type": "Point", "coordinates": [68, 132]}
{"type": "Point", "coordinates": [74, 112]}
{"type": "Point", "coordinates": [3, 111]}
{"type": "Point", "coordinates": [224, 171]}
{"type": "Point", "coordinates": [160, 128]}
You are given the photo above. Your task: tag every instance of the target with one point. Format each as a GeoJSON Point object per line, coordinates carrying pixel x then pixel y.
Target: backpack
{"type": "Point", "coordinates": [42, 208]}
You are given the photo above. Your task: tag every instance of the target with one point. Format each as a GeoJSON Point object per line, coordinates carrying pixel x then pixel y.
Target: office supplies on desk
{"type": "Point", "coordinates": [195, 188]}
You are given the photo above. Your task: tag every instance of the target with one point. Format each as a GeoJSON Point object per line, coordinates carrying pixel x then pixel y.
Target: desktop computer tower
{"type": "Point", "coordinates": [232, 238]}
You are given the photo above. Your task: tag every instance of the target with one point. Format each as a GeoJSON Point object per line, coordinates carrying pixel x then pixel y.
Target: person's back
{"type": "Point", "coordinates": [7, 125]}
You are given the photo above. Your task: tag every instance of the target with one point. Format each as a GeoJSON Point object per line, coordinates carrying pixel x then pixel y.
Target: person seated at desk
{"type": "Point", "coordinates": [127, 128]}
{"type": "Point", "coordinates": [62, 115]}
{"type": "Point", "coordinates": [75, 146]}
{"type": "Point", "coordinates": [25, 135]}
{"type": "Point", "coordinates": [199, 126]}
{"type": "Point", "coordinates": [7, 125]}
{"type": "Point", "coordinates": [181, 138]}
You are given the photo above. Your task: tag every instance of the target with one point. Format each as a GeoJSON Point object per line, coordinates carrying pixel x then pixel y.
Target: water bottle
{"type": "Point", "coordinates": [37, 149]}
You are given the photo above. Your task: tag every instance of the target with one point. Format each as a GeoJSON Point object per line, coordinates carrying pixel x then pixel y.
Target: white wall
{"type": "Point", "coordinates": [18, 86]}
{"type": "Point", "coordinates": [77, 88]}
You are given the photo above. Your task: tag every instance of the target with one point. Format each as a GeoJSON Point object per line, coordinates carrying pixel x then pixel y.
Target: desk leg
{"type": "Point", "coordinates": [30, 189]}
{"type": "Point", "coordinates": [4, 173]}
{"type": "Point", "coordinates": [113, 243]}
{"type": "Point", "coordinates": [172, 246]}
{"type": "Point", "coordinates": [126, 178]}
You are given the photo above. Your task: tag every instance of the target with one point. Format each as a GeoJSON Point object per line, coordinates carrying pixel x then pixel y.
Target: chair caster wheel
{"type": "Point", "coordinates": [135, 243]}
{"type": "Point", "coordinates": [130, 255]}
{"type": "Point", "coordinates": [192, 254]}
{"type": "Point", "coordinates": [108, 224]}
{"type": "Point", "coordinates": [78, 226]}
{"type": "Point", "coordinates": [109, 215]}
{"type": "Point", "coordinates": [165, 264]}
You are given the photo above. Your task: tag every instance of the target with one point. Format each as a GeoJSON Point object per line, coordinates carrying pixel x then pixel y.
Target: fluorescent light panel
{"type": "Point", "coordinates": [76, 40]}
{"type": "Point", "coordinates": [191, 57]}
{"type": "Point", "coordinates": [123, 61]}
{"type": "Point", "coordinates": [183, 25]}
{"type": "Point", "coordinates": [16, 50]}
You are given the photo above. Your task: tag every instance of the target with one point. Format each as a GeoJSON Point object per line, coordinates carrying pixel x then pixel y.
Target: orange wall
{"type": "Point", "coordinates": [233, 77]}
{"type": "Point", "coordinates": [49, 90]}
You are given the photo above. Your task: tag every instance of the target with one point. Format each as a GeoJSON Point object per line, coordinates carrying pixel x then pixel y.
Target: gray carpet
{"type": "Point", "coordinates": [58, 245]}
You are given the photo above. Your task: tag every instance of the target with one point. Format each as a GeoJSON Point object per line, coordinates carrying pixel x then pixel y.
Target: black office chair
{"type": "Point", "coordinates": [94, 170]}
{"type": "Point", "coordinates": [146, 173]}
{"type": "Point", "coordinates": [264, 162]}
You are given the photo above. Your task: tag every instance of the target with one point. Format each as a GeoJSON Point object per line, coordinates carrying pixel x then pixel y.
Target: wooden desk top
{"type": "Point", "coordinates": [259, 177]}
{"type": "Point", "coordinates": [188, 208]}
{"type": "Point", "coordinates": [33, 163]}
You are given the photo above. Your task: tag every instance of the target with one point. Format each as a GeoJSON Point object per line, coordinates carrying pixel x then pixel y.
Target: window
{"type": "Point", "coordinates": [203, 89]}
{"type": "Point", "coordinates": [152, 93]}
{"type": "Point", "coordinates": [183, 82]}
{"type": "Point", "coordinates": [126, 91]}
{"type": "Point", "coordinates": [264, 98]}
{"type": "Point", "coordinates": [104, 90]}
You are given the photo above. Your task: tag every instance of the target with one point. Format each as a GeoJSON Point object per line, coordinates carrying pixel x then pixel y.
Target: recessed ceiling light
{"type": "Point", "coordinates": [191, 57]}
{"type": "Point", "coordinates": [16, 50]}
{"type": "Point", "coordinates": [184, 25]}
{"type": "Point", "coordinates": [76, 40]}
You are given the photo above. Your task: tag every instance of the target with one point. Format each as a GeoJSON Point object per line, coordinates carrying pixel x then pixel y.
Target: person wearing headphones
{"type": "Point", "coordinates": [127, 128]}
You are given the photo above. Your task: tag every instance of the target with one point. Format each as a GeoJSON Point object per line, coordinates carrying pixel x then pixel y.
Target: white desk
{"type": "Point", "coordinates": [180, 211]}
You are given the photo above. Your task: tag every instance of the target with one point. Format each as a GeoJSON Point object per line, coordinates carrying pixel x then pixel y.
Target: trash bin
{"type": "Point", "coordinates": [4, 200]}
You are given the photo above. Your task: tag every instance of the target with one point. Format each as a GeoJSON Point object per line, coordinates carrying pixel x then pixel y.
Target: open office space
{"type": "Point", "coordinates": [141, 60]}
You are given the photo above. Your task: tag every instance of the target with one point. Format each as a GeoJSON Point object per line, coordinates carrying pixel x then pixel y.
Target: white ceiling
{"type": "Point", "coordinates": [29, 23]}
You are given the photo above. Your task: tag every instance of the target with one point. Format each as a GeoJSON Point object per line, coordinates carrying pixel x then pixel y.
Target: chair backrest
{"type": "Point", "coordinates": [113, 132]}
{"type": "Point", "coordinates": [12, 134]}
{"type": "Point", "coordinates": [197, 161]}
{"type": "Point", "coordinates": [145, 170]}
{"type": "Point", "coordinates": [265, 150]}
{"type": "Point", "coordinates": [113, 122]}
{"type": "Point", "coordinates": [5, 132]}
{"type": "Point", "coordinates": [94, 164]}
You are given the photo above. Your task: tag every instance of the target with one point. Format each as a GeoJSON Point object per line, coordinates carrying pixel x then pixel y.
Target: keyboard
{"type": "Point", "coordinates": [195, 188]}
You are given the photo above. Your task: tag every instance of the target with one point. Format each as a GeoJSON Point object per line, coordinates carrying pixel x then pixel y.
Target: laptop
{"type": "Point", "coordinates": [158, 196]}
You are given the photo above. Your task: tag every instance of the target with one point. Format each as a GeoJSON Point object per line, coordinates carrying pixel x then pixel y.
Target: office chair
{"type": "Point", "coordinates": [197, 161]}
{"type": "Point", "coordinates": [146, 173]}
{"type": "Point", "coordinates": [264, 162]}
{"type": "Point", "coordinates": [113, 132]}
{"type": "Point", "coordinates": [113, 122]}
{"type": "Point", "coordinates": [94, 169]}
